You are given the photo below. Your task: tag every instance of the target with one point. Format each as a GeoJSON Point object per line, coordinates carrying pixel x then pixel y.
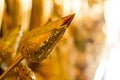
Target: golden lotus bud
{"type": "Point", "coordinates": [38, 44]}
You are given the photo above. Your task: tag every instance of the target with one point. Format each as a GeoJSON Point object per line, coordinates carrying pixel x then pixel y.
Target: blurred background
{"type": "Point", "coordinates": [90, 50]}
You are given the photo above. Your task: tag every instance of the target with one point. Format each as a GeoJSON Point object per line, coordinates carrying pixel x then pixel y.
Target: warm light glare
{"type": "Point", "coordinates": [76, 5]}
{"type": "Point", "coordinates": [111, 70]}
{"type": "Point", "coordinates": [67, 7]}
{"type": "Point", "coordinates": [112, 16]}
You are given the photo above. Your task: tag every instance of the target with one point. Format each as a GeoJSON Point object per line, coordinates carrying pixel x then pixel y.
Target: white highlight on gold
{"type": "Point", "coordinates": [47, 10]}
{"type": "Point", "coordinates": [26, 6]}
{"type": "Point", "coordinates": [58, 2]}
{"type": "Point", "coordinates": [71, 6]}
{"type": "Point", "coordinates": [76, 5]}
{"type": "Point", "coordinates": [67, 6]}
{"type": "Point", "coordinates": [1, 11]}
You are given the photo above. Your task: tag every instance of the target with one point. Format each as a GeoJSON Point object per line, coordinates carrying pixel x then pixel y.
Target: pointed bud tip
{"type": "Point", "coordinates": [67, 20]}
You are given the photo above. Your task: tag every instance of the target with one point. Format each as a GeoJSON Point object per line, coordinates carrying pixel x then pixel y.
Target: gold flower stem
{"type": "Point", "coordinates": [15, 62]}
